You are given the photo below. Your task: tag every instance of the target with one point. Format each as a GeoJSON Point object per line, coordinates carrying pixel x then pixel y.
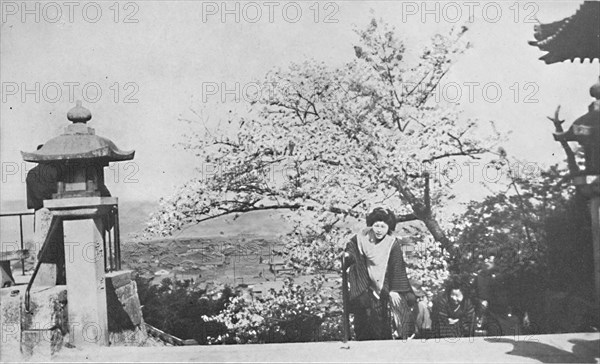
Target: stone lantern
{"type": "Point", "coordinates": [85, 212]}
{"type": "Point", "coordinates": [80, 155]}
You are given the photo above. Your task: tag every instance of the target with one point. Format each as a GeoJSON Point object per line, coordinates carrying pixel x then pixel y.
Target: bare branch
{"type": "Point", "coordinates": [248, 209]}
{"type": "Point", "coordinates": [406, 218]}
{"type": "Point", "coordinates": [571, 162]}
{"type": "Point", "coordinates": [461, 150]}
{"type": "Point", "coordinates": [471, 153]}
{"type": "Point", "coordinates": [434, 86]}
{"type": "Point", "coordinates": [427, 193]}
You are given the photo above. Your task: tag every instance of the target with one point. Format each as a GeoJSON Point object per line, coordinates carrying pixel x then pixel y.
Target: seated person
{"type": "Point", "coordinates": [494, 312]}
{"type": "Point", "coordinates": [454, 314]}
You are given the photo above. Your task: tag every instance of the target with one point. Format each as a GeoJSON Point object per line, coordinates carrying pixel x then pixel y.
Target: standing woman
{"type": "Point", "coordinates": [380, 292]}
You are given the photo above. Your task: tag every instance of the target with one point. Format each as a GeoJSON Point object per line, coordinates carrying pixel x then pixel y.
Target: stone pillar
{"type": "Point", "coordinates": [83, 227]}
{"type": "Point", "coordinates": [84, 261]}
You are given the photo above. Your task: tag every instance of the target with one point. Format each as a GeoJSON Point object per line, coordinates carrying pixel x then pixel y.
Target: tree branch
{"type": "Point", "coordinates": [462, 152]}
{"type": "Point", "coordinates": [421, 213]}
{"type": "Point", "coordinates": [571, 162]}
{"type": "Point", "coordinates": [249, 209]}
{"type": "Point", "coordinates": [427, 193]}
{"type": "Point", "coordinates": [468, 153]}
{"type": "Point", "coordinates": [406, 218]}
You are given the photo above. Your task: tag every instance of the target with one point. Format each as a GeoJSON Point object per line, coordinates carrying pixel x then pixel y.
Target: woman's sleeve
{"type": "Point", "coordinates": [468, 320]}
{"type": "Point", "coordinates": [398, 277]}
{"type": "Point", "coordinates": [440, 310]}
{"type": "Point", "coordinates": [358, 278]}
{"type": "Point", "coordinates": [352, 250]}
{"type": "Point", "coordinates": [469, 310]}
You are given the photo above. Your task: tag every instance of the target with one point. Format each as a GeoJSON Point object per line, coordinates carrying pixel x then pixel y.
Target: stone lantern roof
{"type": "Point", "coordinates": [78, 142]}
{"type": "Point", "coordinates": [577, 36]}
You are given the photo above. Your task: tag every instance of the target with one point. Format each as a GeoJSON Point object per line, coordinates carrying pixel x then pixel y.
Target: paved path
{"type": "Point", "coordinates": [564, 348]}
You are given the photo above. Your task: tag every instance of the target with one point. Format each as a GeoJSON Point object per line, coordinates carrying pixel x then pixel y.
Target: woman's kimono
{"type": "Point", "coordinates": [443, 309]}
{"type": "Point", "coordinates": [375, 271]}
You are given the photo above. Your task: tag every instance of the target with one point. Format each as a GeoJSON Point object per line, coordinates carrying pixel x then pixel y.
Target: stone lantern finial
{"type": "Point", "coordinates": [78, 142]}
{"type": "Point", "coordinates": [79, 114]}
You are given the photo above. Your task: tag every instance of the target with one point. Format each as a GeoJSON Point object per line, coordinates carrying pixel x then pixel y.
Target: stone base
{"type": "Point", "coordinates": [135, 337]}
{"type": "Point", "coordinates": [41, 344]}
{"type": "Point", "coordinates": [45, 326]}
{"type": "Point", "coordinates": [10, 323]}
{"type": "Point", "coordinates": [39, 334]}
{"type": "Point", "coordinates": [48, 310]}
{"type": "Point", "coordinates": [125, 321]}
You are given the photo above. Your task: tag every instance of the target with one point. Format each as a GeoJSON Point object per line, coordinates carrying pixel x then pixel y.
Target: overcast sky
{"type": "Point", "coordinates": [152, 60]}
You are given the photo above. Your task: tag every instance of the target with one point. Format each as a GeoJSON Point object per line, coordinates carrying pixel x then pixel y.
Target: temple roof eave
{"type": "Point", "coordinates": [577, 36]}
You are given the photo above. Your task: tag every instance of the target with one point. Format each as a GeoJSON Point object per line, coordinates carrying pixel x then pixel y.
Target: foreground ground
{"type": "Point", "coordinates": [557, 348]}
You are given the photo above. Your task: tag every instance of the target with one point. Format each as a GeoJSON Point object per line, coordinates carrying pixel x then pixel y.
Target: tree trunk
{"type": "Point", "coordinates": [423, 213]}
{"type": "Point", "coordinates": [438, 233]}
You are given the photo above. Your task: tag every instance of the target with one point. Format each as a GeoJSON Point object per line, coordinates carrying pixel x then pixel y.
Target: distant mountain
{"type": "Point", "coordinates": [257, 223]}
{"type": "Point", "coordinates": [133, 216]}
